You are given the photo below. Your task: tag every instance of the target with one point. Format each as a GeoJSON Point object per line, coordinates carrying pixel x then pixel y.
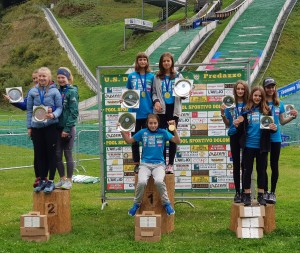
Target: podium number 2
{"type": "Point", "coordinates": [51, 209]}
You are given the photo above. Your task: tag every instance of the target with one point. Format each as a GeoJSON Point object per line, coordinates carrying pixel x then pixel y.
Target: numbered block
{"type": "Point", "coordinates": [56, 206]}
{"type": "Point", "coordinates": [152, 202]}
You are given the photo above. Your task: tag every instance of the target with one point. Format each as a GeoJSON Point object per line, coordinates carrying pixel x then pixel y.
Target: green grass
{"type": "Point", "coordinates": [204, 228]}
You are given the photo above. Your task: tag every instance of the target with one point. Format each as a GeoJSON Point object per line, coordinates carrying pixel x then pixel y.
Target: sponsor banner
{"type": "Point", "coordinates": [183, 127]}
{"type": "Point", "coordinates": [199, 114]}
{"type": "Point", "coordinates": [182, 160]}
{"type": "Point", "coordinates": [113, 90]}
{"type": "Point", "coordinates": [127, 155]}
{"type": "Point", "coordinates": [115, 186]}
{"type": "Point", "coordinates": [195, 127]}
{"type": "Point", "coordinates": [199, 148]}
{"type": "Point", "coordinates": [216, 127]}
{"type": "Point", "coordinates": [228, 92]}
{"type": "Point", "coordinates": [215, 173]}
{"type": "Point", "coordinates": [218, 185]}
{"type": "Point", "coordinates": [203, 166]}
{"type": "Point", "coordinates": [200, 173]}
{"type": "Point", "coordinates": [129, 174]}
{"type": "Point", "coordinates": [199, 87]}
{"type": "Point", "coordinates": [128, 186]}
{"type": "Point", "coordinates": [114, 174]}
{"type": "Point", "coordinates": [289, 89]}
{"type": "Point", "coordinates": [221, 179]}
{"type": "Point", "coordinates": [114, 161]}
{"type": "Point", "coordinates": [182, 167]}
{"type": "Point", "coordinates": [214, 114]}
{"type": "Point", "coordinates": [199, 121]}
{"type": "Point", "coordinates": [229, 172]}
{"type": "Point", "coordinates": [115, 168]}
{"type": "Point", "coordinates": [183, 180]}
{"type": "Point", "coordinates": [112, 102]}
{"type": "Point", "coordinates": [221, 166]}
{"type": "Point", "coordinates": [183, 186]}
{"type": "Point", "coordinates": [200, 160]}
{"type": "Point", "coordinates": [231, 186]}
{"type": "Point", "coordinates": [229, 86]}
{"type": "Point", "coordinates": [215, 120]}
{"type": "Point", "coordinates": [217, 147]}
{"type": "Point", "coordinates": [115, 180]}
{"type": "Point", "coordinates": [198, 132]}
{"type": "Point", "coordinates": [215, 93]}
{"type": "Point", "coordinates": [111, 117]}
{"type": "Point", "coordinates": [198, 99]}
{"type": "Point", "coordinates": [127, 149]}
{"type": "Point", "coordinates": [229, 166]}
{"type": "Point", "coordinates": [113, 149]}
{"type": "Point", "coordinates": [217, 153]}
{"type": "Point", "coordinates": [187, 154]}
{"type": "Point", "coordinates": [200, 186]}
{"type": "Point", "coordinates": [214, 98]}
{"type": "Point", "coordinates": [216, 132]}
{"type": "Point", "coordinates": [217, 160]}
{"type": "Point", "coordinates": [200, 179]}
{"type": "Point", "coordinates": [229, 160]}
{"type": "Point", "coordinates": [184, 148]}
{"type": "Point", "coordinates": [184, 121]}
{"type": "Point", "coordinates": [113, 96]}
{"type": "Point", "coordinates": [183, 173]}
{"type": "Point", "coordinates": [128, 161]}
{"type": "Point", "coordinates": [186, 114]}
{"type": "Point", "coordinates": [111, 155]}
{"type": "Point", "coordinates": [129, 167]}
{"type": "Point", "coordinates": [199, 93]}
{"type": "Point", "coordinates": [113, 136]}
{"type": "Point", "coordinates": [215, 86]}
{"type": "Point", "coordinates": [183, 133]}
{"type": "Point", "coordinates": [129, 179]}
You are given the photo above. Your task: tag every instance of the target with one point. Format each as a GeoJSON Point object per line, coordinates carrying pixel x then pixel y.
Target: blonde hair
{"type": "Point", "coordinates": [47, 71]}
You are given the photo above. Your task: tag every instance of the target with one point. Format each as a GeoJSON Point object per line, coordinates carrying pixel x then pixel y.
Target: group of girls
{"type": "Point", "coordinates": [158, 109]}
{"type": "Point", "coordinates": [245, 132]}
{"type": "Point", "coordinates": [54, 136]}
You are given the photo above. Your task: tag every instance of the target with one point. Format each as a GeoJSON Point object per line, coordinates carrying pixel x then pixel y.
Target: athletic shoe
{"type": "Point", "coordinates": [261, 200]}
{"type": "Point", "coordinates": [41, 186]}
{"type": "Point", "coordinates": [136, 168]}
{"type": "Point", "coordinates": [169, 169]}
{"type": "Point", "coordinates": [133, 209]}
{"type": "Point", "coordinates": [169, 209]}
{"type": "Point", "coordinates": [49, 187]}
{"type": "Point", "coordinates": [272, 198]}
{"type": "Point", "coordinates": [237, 198]}
{"type": "Point", "coordinates": [60, 183]}
{"type": "Point", "coordinates": [67, 185]}
{"type": "Point", "coordinates": [36, 182]}
{"type": "Point", "coordinates": [247, 200]}
{"type": "Point", "coordinates": [266, 196]}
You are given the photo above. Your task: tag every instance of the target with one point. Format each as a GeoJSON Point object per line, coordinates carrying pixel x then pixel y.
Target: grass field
{"type": "Point", "coordinates": [204, 228]}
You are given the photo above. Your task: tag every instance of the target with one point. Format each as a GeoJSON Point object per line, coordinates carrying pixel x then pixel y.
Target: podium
{"type": "Point", "coordinates": [152, 202]}
{"type": "Point", "coordinates": [56, 205]}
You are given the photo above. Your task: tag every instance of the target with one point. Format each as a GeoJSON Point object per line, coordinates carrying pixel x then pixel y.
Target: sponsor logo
{"type": "Point", "coordinates": [216, 147]}
{"type": "Point", "coordinates": [115, 186]}
{"type": "Point", "coordinates": [200, 186]}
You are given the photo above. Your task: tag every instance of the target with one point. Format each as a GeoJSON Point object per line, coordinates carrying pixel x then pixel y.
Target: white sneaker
{"type": "Point", "coordinates": [60, 183]}
{"type": "Point", "coordinates": [67, 185]}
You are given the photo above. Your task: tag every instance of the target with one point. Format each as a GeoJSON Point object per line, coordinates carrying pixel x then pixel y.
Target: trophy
{"type": "Point", "coordinates": [39, 113]}
{"type": "Point", "coordinates": [288, 109]}
{"type": "Point", "coordinates": [228, 101]}
{"type": "Point", "coordinates": [183, 87]}
{"type": "Point", "coordinates": [265, 122]}
{"type": "Point", "coordinates": [126, 122]}
{"type": "Point", "coordinates": [131, 99]}
{"type": "Point", "coordinates": [15, 94]}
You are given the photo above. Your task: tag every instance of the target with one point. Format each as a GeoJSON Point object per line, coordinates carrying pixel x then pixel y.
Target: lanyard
{"type": "Point", "coordinates": [167, 83]}
{"type": "Point", "coordinates": [63, 92]}
{"type": "Point", "coordinates": [143, 83]}
{"type": "Point", "coordinates": [42, 95]}
{"type": "Point", "coordinates": [238, 109]}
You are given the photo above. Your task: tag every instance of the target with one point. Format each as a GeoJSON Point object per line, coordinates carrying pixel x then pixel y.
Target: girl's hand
{"type": "Point", "coordinates": [29, 130]}
{"type": "Point", "coordinates": [6, 97]}
{"type": "Point", "coordinates": [172, 125]}
{"type": "Point", "coordinates": [50, 116]}
{"type": "Point", "coordinates": [237, 121]}
{"type": "Point", "coordinates": [223, 107]}
{"type": "Point", "coordinates": [158, 107]}
{"type": "Point", "coordinates": [294, 113]}
{"type": "Point", "coordinates": [49, 109]}
{"type": "Point", "coordinates": [273, 127]}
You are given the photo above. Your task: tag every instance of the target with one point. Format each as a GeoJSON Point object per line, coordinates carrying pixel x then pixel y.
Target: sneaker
{"type": "Point", "coordinates": [272, 198]}
{"type": "Point", "coordinates": [237, 198]}
{"type": "Point", "coordinates": [49, 187]}
{"type": "Point", "coordinates": [67, 185]}
{"type": "Point", "coordinates": [247, 200]}
{"type": "Point", "coordinates": [133, 209]}
{"type": "Point", "coordinates": [266, 196]}
{"type": "Point", "coordinates": [41, 186]}
{"type": "Point", "coordinates": [169, 209]}
{"type": "Point", "coordinates": [60, 183]}
{"type": "Point", "coordinates": [261, 200]}
{"type": "Point", "coordinates": [169, 169]}
{"type": "Point", "coordinates": [36, 182]}
{"type": "Point", "coordinates": [136, 168]}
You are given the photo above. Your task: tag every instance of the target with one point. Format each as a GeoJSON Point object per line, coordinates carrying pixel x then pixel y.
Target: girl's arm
{"type": "Point", "coordinates": [284, 120]}
{"type": "Point", "coordinates": [224, 118]}
{"type": "Point", "coordinates": [127, 139]}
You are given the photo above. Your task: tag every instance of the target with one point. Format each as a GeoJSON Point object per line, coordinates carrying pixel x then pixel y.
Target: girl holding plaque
{"type": "Point", "coordinates": [152, 162]}
{"type": "Point", "coordinates": [277, 109]}
{"type": "Point", "coordinates": [142, 80]}
{"type": "Point", "coordinates": [257, 143]}
{"type": "Point", "coordinates": [66, 127]}
{"type": "Point", "coordinates": [42, 127]}
{"type": "Point", "coordinates": [167, 106]}
{"type": "Point", "coordinates": [230, 116]}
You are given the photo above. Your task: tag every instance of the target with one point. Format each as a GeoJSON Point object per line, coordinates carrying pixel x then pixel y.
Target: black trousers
{"type": "Point", "coordinates": [235, 148]}
{"type": "Point", "coordinates": [44, 144]}
{"type": "Point", "coordinates": [274, 160]}
{"type": "Point", "coordinates": [248, 160]}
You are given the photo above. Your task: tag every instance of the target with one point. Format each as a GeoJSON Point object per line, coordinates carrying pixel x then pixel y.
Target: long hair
{"type": "Point", "coordinates": [48, 73]}
{"type": "Point", "coordinates": [137, 67]}
{"type": "Point", "coordinates": [162, 72]}
{"type": "Point", "coordinates": [246, 93]}
{"type": "Point", "coordinates": [263, 107]}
